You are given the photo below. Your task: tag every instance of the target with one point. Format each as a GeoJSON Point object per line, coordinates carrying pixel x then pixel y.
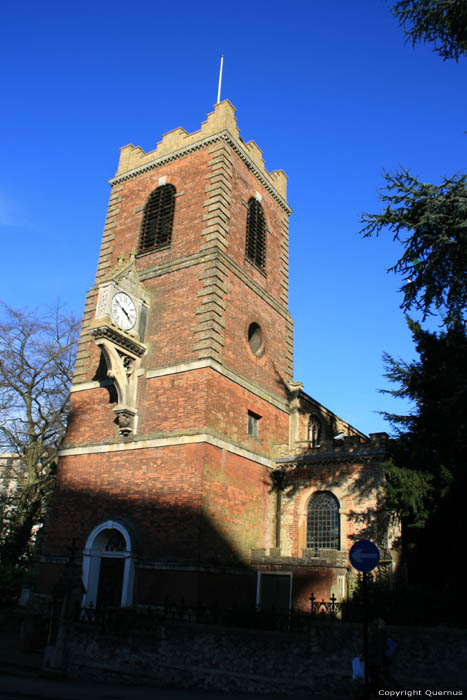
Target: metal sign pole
{"type": "Point", "coordinates": [364, 556]}
{"type": "Point", "coordinates": [365, 631]}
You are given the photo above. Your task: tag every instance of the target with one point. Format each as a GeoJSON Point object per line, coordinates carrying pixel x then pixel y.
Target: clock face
{"type": "Point", "coordinates": [123, 311]}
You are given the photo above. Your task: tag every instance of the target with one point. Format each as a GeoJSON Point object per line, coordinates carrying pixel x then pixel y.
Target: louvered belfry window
{"type": "Point", "coordinates": [156, 231]}
{"type": "Point", "coordinates": [255, 249]}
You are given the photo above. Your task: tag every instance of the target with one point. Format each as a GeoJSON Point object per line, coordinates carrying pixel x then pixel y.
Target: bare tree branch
{"type": "Point", "coordinates": [37, 354]}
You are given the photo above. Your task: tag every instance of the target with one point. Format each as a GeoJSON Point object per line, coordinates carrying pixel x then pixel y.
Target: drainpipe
{"type": "Point", "coordinates": [278, 477]}
{"type": "Point", "coordinates": [278, 516]}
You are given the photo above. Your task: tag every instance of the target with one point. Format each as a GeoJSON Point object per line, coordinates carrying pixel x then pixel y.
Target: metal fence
{"type": "Point", "coordinates": [149, 618]}
{"type": "Point", "coordinates": [395, 607]}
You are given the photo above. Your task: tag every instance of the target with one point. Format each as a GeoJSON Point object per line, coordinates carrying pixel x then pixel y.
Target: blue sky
{"type": "Point", "coordinates": [330, 92]}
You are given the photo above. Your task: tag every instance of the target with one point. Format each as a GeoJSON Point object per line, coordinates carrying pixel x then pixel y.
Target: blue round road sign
{"type": "Point", "coordinates": [364, 555]}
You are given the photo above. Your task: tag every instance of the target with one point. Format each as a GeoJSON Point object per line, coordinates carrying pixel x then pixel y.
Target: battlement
{"type": "Point", "coordinates": [323, 557]}
{"type": "Point", "coordinates": [222, 119]}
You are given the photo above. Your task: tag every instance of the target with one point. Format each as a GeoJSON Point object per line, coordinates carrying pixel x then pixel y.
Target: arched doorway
{"type": "Point", "coordinates": [108, 566]}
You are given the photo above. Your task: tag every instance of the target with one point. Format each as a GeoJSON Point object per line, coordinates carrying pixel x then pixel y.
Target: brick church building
{"type": "Point", "coordinates": [194, 466]}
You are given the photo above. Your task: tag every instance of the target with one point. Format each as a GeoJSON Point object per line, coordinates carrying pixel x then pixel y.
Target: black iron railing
{"type": "Point", "coordinates": [149, 618]}
{"type": "Point", "coordinates": [395, 609]}
{"type": "Point", "coordinates": [331, 607]}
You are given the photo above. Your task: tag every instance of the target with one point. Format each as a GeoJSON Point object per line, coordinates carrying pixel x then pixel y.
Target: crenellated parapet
{"type": "Point", "coordinates": [221, 123]}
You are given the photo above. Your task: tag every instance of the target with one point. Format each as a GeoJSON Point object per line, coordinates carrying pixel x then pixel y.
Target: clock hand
{"type": "Point", "coordinates": [126, 314]}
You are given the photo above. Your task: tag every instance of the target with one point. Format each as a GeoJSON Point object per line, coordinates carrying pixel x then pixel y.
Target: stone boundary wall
{"type": "Point", "coordinates": [203, 657]}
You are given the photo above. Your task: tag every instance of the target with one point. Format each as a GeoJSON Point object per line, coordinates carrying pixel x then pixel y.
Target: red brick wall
{"type": "Point", "coordinates": [245, 307]}
{"type": "Point", "coordinates": [227, 415]}
{"type": "Point", "coordinates": [356, 486]}
{"type": "Point", "coordinates": [319, 581]}
{"type": "Point", "coordinates": [175, 404]}
{"type": "Point", "coordinates": [188, 175]}
{"type": "Point", "coordinates": [178, 498]}
{"type": "Point", "coordinates": [244, 186]}
{"type": "Point", "coordinates": [172, 318]}
{"type": "Point", "coordinates": [159, 491]}
{"type": "Point", "coordinates": [193, 587]}
{"type": "Point", "coordinates": [236, 503]}
{"type": "Point", "coordinates": [192, 502]}
{"type": "Point", "coordinates": [91, 418]}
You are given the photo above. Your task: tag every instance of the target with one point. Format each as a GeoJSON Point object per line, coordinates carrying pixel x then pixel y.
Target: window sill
{"type": "Point", "coordinates": [257, 267]}
{"type": "Point", "coordinates": [153, 250]}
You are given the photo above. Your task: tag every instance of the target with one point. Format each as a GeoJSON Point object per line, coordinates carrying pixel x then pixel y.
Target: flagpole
{"type": "Point", "coordinates": [220, 80]}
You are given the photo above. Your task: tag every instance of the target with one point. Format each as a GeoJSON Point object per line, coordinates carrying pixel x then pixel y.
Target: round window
{"type": "Point", "coordinates": [255, 339]}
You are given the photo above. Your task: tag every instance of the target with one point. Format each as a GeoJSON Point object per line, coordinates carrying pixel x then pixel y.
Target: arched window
{"type": "Point", "coordinates": [314, 430]}
{"type": "Point", "coordinates": [156, 231]}
{"type": "Point", "coordinates": [115, 542]}
{"type": "Point", "coordinates": [323, 523]}
{"type": "Point", "coordinates": [255, 248]}
{"type": "Point", "coordinates": [108, 566]}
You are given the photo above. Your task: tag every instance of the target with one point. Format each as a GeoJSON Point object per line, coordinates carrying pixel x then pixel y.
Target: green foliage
{"type": "Point", "coordinates": [427, 481]}
{"type": "Point", "coordinates": [431, 223]}
{"type": "Point", "coordinates": [433, 438]}
{"type": "Point", "coordinates": [12, 579]}
{"type": "Point", "coordinates": [443, 22]}
{"type": "Point", "coordinates": [408, 493]}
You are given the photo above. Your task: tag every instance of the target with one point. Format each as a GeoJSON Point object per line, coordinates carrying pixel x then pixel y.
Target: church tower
{"type": "Point", "coordinates": [180, 397]}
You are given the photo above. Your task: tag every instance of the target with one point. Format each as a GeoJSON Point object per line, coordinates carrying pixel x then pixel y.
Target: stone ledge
{"type": "Point", "coordinates": [326, 557]}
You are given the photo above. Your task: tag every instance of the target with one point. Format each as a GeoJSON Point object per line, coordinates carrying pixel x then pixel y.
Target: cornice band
{"type": "Point", "coordinates": [224, 136]}
{"type": "Point", "coordinates": [201, 438]}
{"type": "Point", "coordinates": [121, 340]}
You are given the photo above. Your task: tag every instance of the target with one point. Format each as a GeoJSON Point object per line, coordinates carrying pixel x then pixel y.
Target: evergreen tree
{"type": "Point", "coordinates": [431, 222]}
{"type": "Point", "coordinates": [426, 483]}
{"type": "Point", "coordinates": [426, 480]}
{"type": "Point", "coordinates": [443, 22]}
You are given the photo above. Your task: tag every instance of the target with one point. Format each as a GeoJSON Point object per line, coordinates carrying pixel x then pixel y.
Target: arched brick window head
{"type": "Point", "coordinates": [255, 248]}
{"type": "Point", "coordinates": [323, 522]}
{"type": "Point", "coordinates": [156, 231]}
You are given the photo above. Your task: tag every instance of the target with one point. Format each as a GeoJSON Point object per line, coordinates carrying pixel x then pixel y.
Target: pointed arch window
{"type": "Point", "coordinates": [314, 430]}
{"type": "Point", "coordinates": [156, 231]}
{"type": "Point", "coordinates": [255, 248]}
{"type": "Point", "coordinates": [323, 521]}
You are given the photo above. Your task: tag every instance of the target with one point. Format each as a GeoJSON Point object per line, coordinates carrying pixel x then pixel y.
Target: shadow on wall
{"type": "Point", "coordinates": [362, 482]}
{"type": "Point", "coordinates": [175, 552]}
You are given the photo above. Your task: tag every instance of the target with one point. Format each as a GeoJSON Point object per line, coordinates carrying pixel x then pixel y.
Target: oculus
{"type": "Point", "coordinates": [256, 340]}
